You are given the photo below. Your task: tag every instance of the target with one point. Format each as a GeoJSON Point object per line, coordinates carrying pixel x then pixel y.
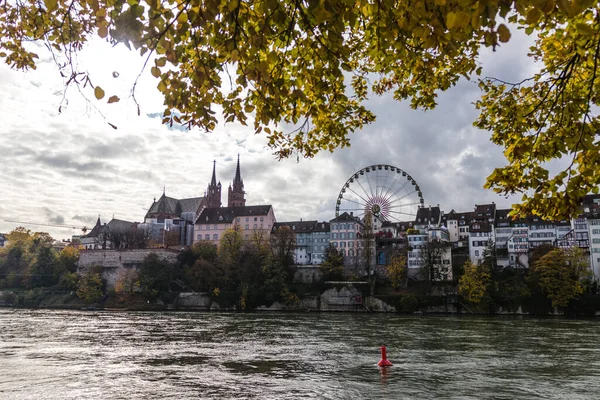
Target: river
{"type": "Point", "coordinates": [48, 354]}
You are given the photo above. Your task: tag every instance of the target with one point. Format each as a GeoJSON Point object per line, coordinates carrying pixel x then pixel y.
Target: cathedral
{"type": "Point", "coordinates": [179, 215]}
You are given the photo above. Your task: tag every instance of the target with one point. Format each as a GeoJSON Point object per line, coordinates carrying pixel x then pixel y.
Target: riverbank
{"type": "Point", "coordinates": [340, 298]}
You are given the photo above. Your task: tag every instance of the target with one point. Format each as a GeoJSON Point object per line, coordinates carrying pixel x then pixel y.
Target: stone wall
{"type": "Point", "coordinates": [307, 273]}
{"type": "Point", "coordinates": [114, 261]}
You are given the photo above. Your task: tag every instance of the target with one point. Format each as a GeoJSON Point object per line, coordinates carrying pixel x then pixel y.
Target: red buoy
{"type": "Point", "coordinates": [384, 362]}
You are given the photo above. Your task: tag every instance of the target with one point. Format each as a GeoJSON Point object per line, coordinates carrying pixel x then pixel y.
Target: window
{"type": "Point", "coordinates": [255, 226]}
{"type": "Point", "coordinates": [246, 227]}
{"type": "Point", "coordinates": [207, 237]}
{"type": "Point", "coordinates": [215, 237]}
{"type": "Point", "coordinates": [199, 237]}
{"type": "Point", "coordinates": [238, 219]}
{"type": "Point", "coordinates": [247, 219]}
{"type": "Point", "coordinates": [208, 227]}
{"type": "Point", "coordinates": [334, 236]}
{"type": "Point", "coordinates": [595, 231]}
{"type": "Point", "coordinates": [342, 235]}
{"type": "Point", "coordinates": [254, 219]}
{"type": "Point", "coordinates": [199, 227]}
{"type": "Point", "coordinates": [476, 253]}
{"type": "Point", "coordinates": [261, 219]}
{"type": "Point", "coordinates": [596, 241]}
{"type": "Point", "coordinates": [350, 244]}
{"type": "Point", "coordinates": [342, 244]}
{"type": "Point", "coordinates": [216, 227]}
{"type": "Point", "coordinates": [333, 227]}
{"type": "Point", "coordinates": [335, 244]}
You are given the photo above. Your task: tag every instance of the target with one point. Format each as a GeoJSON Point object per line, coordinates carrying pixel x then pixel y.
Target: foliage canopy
{"type": "Point", "coordinates": [307, 67]}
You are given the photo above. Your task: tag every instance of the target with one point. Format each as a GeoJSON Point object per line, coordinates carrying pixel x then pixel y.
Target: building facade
{"type": "Point", "coordinates": [312, 238]}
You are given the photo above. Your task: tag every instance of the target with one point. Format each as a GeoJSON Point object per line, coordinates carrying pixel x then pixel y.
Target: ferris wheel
{"type": "Point", "coordinates": [387, 192]}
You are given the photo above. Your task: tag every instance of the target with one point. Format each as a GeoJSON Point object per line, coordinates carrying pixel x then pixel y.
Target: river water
{"type": "Point", "coordinates": [46, 354]}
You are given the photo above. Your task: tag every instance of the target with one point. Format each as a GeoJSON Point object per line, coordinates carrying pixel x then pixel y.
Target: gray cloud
{"type": "Point", "coordinates": [52, 217]}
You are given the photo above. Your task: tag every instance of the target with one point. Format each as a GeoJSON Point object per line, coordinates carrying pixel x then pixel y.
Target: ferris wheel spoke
{"type": "Point", "coordinates": [400, 189]}
{"type": "Point", "coordinates": [403, 213]}
{"type": "Point", "coordinates": [369, 183]}
{"type": "Point", "coordinates": [405, 196]}
{"type": "Point", "coordinates": [405, 205]}
{"type": "Point", "coordinates": [363, 188]}
{"type": "Point", "coordinates": [366, 201]}
{"type": "Point", "coordinates": [394, 180]}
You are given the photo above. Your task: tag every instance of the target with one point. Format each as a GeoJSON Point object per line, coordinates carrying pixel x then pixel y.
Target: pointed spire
{"type": "Point", "coordinates": [213, 181]}
{"type": "Point", "coordinates": [238, 175]}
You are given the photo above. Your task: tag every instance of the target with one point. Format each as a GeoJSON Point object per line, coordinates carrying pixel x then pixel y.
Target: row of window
{"type": "Point", "coordinates": [540, 227]}
{"type": "Point", "coordinates": [479, 243]}
{"type": "Point", "coordinates": [594, 222]}
{"type": "Point", "coordinates": [480, 234]}
{"type": "Point", "coordinates": [239, 219]}
{"type": "Point", "coordinates": [343, 235]}
{"type": "Point", "coordinates": [350, 244]}
{"type": "Point", "coordinates": [342, 227]}
{"type": "Point", "coordinates": [207, 237]}
{"type": "Point", "coordinates": [595, 231]}
{"type": "Point", "coordinates": [542, 235]}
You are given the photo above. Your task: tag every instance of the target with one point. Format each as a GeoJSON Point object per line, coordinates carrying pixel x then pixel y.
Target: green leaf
{"type": "Point", "coordinates": [155, 72]}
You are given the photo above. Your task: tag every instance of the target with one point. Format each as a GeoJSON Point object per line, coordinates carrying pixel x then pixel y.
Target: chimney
{"type": "Point", "coordinates": [352, 213]}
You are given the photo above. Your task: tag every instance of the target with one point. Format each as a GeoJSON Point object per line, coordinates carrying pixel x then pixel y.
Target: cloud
{"type": "Point", "coordinates": [52, 217]}
{"type": "Point", "coordinates": [73, 163]}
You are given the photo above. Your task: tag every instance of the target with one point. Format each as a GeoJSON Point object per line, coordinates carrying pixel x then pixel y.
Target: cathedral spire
{"type": "Point", "coordinates": [213, 181]}
{"type": "Point", "coordinates": [214, 190]}
{"type": "Point", "coordinates": [236, 190]}
{"type": "Point", "coordinates": [238, 175]}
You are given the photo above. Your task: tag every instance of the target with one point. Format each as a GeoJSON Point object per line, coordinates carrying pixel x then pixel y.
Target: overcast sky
{"type": "Point", "coordinates": [72, 167]}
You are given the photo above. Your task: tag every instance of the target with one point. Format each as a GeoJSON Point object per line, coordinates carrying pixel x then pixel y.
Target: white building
{"type": "Point", "coordinates": [591, 211]}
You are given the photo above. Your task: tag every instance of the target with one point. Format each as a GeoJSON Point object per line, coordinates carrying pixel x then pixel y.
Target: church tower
{"type": "Point", "coordinates": [213, 194]}
{"type": "Point", "coordinates": [235, 197]}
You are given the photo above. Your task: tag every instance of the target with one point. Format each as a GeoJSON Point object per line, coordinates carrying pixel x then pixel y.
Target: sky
{"type": "Point", "coordinates": [70, 167]}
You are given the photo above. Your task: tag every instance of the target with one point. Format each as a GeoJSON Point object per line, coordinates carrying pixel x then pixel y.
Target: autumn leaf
{"type": "Point", "coordinates": [98, 92]}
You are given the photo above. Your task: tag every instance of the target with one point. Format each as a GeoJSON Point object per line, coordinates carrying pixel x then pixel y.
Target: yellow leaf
{"type": "Point", "coordinates": [113, 99]}
{"type": "Point", "coordinates": [450, 20]}
{"type": "Point", "coordinates": [155, 72]}
{"type": "Point", "coordinates": [50, 4]}
{"type": "Point", "coordinates": [533, 16]}
{"type": "Point", "coordinates": [503, 33]}
{"type": "Point", "coordinates": [103, 31]}
{"type": "Point", "coordinates": [98, 92]}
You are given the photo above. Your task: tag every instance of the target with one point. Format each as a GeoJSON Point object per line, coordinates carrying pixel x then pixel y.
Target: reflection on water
{"type": "Point", "coordinates": [75, 355]}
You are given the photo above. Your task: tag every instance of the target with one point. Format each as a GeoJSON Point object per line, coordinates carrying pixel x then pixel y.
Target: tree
{"type": "Point", "coordinates": [396, 270]}
{"type": "Point", "coordinates": [332, 267]}
{"type": "Point", "coordinates": [368, 243]}
{"type": "Point", "coordinates": [289, 64]}
{"type": "Point", "coordinates": [155, 275]}
{"type": "Point", "coordinates": [561, 273]}
{"type": "Point", "coordinates": [431, 254]}
{"type": "Point", "coordinates": [475, 282]}
{"type": "Point", "coordinates": [283, 244]}
{"type": "Point", "coordinates": [66, 260]}
{"type": "Point", "coordinates": [128, 282]}
{"type": "Point", "coordinates": [90, 287]}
